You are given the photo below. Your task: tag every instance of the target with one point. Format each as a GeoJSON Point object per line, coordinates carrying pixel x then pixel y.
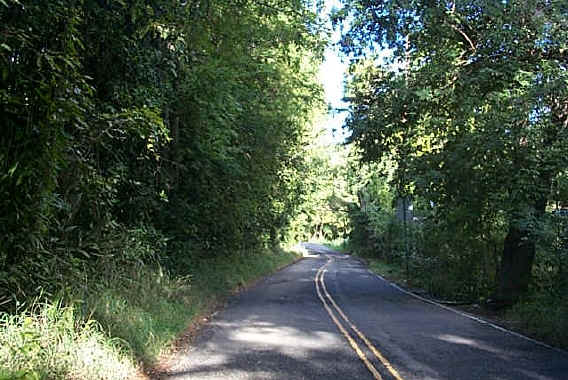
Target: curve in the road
{"type": "Point", "coordinates": [323, 296]}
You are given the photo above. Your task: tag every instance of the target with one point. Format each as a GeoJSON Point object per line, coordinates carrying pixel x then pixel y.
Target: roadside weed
{"type": "Point", "coordinates": [121, 316]}
{"type": "Point", "coordinates": [51, 342]}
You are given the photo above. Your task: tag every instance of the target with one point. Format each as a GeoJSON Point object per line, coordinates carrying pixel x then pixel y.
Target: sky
{"type": "Point", "coordinates": [332, 76]}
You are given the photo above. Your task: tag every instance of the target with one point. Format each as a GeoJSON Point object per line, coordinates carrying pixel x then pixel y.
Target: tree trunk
{"type": "Point", "coordinates": [517, 260]}
{"type": "Point", "coordinates": [516, 265]}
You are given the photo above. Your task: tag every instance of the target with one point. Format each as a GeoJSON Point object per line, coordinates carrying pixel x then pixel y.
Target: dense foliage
{"type": "Point", "coordinates": [327, 201]}
{"type": "Point", "coordinates": [471, 108]}
{"type": "Point", "coordinates": [157, 130]}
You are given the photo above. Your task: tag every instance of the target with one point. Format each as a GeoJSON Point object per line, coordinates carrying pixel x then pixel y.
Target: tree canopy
{"type": "Point", "coordinates": [184, 122]}
{"type": "Point", "coordinates": [471, 106]}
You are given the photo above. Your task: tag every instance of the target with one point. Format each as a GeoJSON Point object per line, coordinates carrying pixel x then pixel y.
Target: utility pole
{"type": "Point", "coordinates": [405, 199]}
{"type": "Point", "coordinates": [405, 235]}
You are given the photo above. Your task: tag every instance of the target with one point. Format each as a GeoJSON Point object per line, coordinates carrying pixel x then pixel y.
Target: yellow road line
{"type": "Point", "coordinates": [373, 349]}
{"type": "Point", "coordinates": [351, 341]}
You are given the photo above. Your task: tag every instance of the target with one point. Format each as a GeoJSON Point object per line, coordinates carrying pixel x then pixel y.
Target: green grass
{"type": "Point", "coordinates": [543, 317]}
{"type": "Point", "coordinates": [392, 272]}
{"type": "Point", "coordinates": [51, 342]}
{"type": "Point", "coordinates": [124, 317]}
{"type": "Point", "coordinates": [146, 310]}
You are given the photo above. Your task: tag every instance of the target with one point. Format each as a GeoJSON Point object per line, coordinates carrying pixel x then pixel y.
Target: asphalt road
{"type": "Point", "coordinates": [328, 317]}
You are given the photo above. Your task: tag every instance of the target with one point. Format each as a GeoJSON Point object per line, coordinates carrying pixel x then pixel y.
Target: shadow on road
{"type": "Point", "coordinates": [279, 330]}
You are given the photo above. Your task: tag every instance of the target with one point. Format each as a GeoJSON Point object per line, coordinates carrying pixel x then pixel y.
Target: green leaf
{"type": "Point", "coordinates": [12, 170]}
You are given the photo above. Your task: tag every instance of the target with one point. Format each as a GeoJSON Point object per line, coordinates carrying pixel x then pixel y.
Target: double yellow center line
{"type": "Point", "coordinates": [327, 300]}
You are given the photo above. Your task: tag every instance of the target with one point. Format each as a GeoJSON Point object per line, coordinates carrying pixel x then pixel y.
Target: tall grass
{"type": "Point", "coordinates": [149, 307]}
{"type": "Point", "coordinates": [51, 341]}
{"type": "Point", "coordinates": [145, 306]}
{"type": "Point", "coordinates": [121, 317]}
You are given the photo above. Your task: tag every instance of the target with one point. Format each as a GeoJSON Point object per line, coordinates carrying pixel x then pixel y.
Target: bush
{"type": "Point", "coordinates": [450, 260]}
{"type": "Point", "coordinates": [544, 317]}
{"type": "Point", "coordinates": [120, 313]}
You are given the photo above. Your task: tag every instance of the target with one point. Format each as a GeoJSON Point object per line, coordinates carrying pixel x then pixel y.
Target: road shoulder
{"type": "Point", "coordinates": [497, 319]}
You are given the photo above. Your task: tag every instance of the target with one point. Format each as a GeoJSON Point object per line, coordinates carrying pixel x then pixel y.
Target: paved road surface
{"type": "Point", "coordinates": [328, 317]}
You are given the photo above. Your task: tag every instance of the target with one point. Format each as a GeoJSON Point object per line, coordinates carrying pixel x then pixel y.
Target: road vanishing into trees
{"type": "Point", "coordinates": [329, 317]}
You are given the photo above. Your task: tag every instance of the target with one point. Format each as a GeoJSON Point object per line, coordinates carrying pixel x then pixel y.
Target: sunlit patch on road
{"type": "Point", "coordinates": [470, 342]}
{"type": "Point", "coordinates": [306, 251]}
{"type": "Point", "coordinates": [278, 330]}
